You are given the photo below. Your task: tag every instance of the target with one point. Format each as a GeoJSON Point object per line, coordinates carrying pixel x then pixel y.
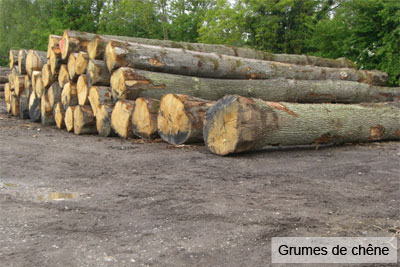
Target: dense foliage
{"type": "Point", "coordinates": [365, 31]}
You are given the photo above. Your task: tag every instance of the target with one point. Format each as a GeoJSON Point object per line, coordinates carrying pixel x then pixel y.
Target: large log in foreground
{"type": "Point", "coordinates": [180, 119]}
{"type": "Point", "coordinates": [35, 61]}
{"type": "Point", "coordinates": [210, 65]}
{"type": "Point", "coordinates": [121, 118]}
{"type": "Point", "coordinates": [128, 83]}
{"type": "Point", "coordinates": [235, 124]}
{"type": "Point", "coordinates": [97, 46]}
{"type": "Point", "coordinates": [144, 118]}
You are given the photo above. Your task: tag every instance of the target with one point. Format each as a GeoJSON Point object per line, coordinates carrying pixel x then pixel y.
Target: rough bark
{"type": "Point", "coordinates": [97, 46]}
{"type": "Point", "coordinates": [13, 58]}
{"type": "Point", "coordinates": [55, 61]}
{"type": "Point", "coordinates": [180, 119]}
{"type": "Point", "coordinates": [144, 118]}
{"type": "Point", "coordinates": [99, 95]}
{"type": "Point", "coordinates": [84, 120]}
{"type": "Point", "coordinates": [235, 124]}
{"type": "Point", "coordinates": [46, 110]}
{"type": "Point", "coordinates": [54, 40]}
{"type": "Point", "coordinates": [54, 94]}
{"type": "Point", "coordinates": [14, 105]}
{"type": "Point", "coordinates": [209, 65]}
{"type": "Point", "coordinates": [69, 118]}
{"type": "Point", "coordinates": [35, 61]}
{"type": "Point", "coordinates": [73, 42]}
{"type": "Point", "coordinates": [83, 90]}
{"type": "Point", "coordinates": [81, 63]}
{"type": "Point", "coordinates": [97, 73]}
{"type": "Point", "coordinates": [34, 107]}
{"type": "Point", "coordinates": [22, 53]}
{"type": "Point", "coordinates": [128, 83]}
{"type": "Point", "coordinates": [69, 95]}
{"type": "Point", "coordinates": [103, 120]}
{"type": "Point", "coordinates": [59, 115]}
{"type": "Point", "coordinates": [121, 118]}
{"type": "Point", "coordinates": [63, 75]}
{"type": "Point", "coordinates": [73, 76]}
{"type": "Point", "coordinates": [47, 77]}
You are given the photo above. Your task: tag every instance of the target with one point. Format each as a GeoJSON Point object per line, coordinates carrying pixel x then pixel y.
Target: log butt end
{"type": "Point", "coordinates": [69, 118]}
{"type": "Point", "coordinates": [34, 107]}
{"type": "Point", "coordinates": [84, 120]}
{"type": "Point", "coordinates": [103, 121]}
{"type": "Point", "coordinates": [174, 125]}
{"type": "Point", "coordinates": [59, 115]}
{"type": "Point", "coordinates": [121, 118]}
{"type": "Point", "coordinates": [221, 134]}
{"type": "Point", "coordinates": [64, 45]}
{"type": "Point", "coordinates": [143, 123]}
{"type": "Point", "coordinates": [92, 48]}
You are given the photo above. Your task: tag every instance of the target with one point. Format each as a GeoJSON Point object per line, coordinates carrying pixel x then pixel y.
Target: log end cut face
{"type": "Point", "coordinates": [34, 107]}
{"type": "Point", "coordinates": [83, 90]}
{"type": "Point", "coordinates": [115, 55]}
{"type": "Point", "coordinates": [93, 47]}
{"type": "Point", "coordinates": [221, 128]}
{"type": "Point", "coordinates": [81, 63]}
{"type": "Point", "coordinates": [121, 118]}
{"type": "Point", "coordinates": [173, 123]}
{"type": "Point", "coordinates": [69, 118]}
{"type": "Point", "coordinates": [59, 115]}
{"type": "Point", "coordinates": [143, 125]}
{"type": "Point", "coordinates": [103, 122]}
{"type": "Point", "coordinates": [64, 45]}
{"type": "Point", "coordinates": [12, 59]}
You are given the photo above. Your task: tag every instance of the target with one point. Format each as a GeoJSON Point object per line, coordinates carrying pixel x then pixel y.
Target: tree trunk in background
{"type": "Point", "coordinates": [180, 119]}
{"type": "Point", "coordinates": [128, 83]}
{"type": "Point", "coordinates": [210, 65]}
{"type": "Point", "coordinates": [235, 124]}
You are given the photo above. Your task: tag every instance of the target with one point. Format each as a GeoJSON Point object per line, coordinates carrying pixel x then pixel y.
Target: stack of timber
{"type": "Point", "coordinates": [232, 99]}
{"type": "Point", "coordinates": [4, 72]}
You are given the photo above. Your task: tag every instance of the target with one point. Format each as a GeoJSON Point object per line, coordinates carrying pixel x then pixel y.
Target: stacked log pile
{"type": "Point", "coordinates": [233, 99]}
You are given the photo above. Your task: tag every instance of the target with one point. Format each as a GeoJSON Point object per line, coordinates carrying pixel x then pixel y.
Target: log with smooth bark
{"type": "Point", "coordinates": [73, 42]}
{"type": "Point", "coordinates": [59, 115]}
{"type": "Point", "coordinates": [103, 120]}
{"type": "Point", "coordinates": [54, 40]}
{"type": "Point", "coordinates": [99, 95]}
{"type": "Point", "coordinates": [35, 61]}
{"type": "Point", "coordinates": [180, 118]}
{"type": "Point", "coordinates": [97, 73]}
{"type": "Point", "coordinates": [7, 96]}
{"type": "Point", "coordinates": [55, 61]}
{"type": "Point", "coordinates": [69, 95]}
{"type": "Point", "coordinates": [144, 118]}
{"type": "Point", "coordinates": [46, 110]}
{"type": "Point", "coordinates": [81, 63]}
{"type": "Point", "coordinates": [69, 118]}
{"type": "Point", "coordinates": [83, 90]}
{"type": "Point", "coordinates": [13, 58]}
{"type": "Point", "coordinates": [34, 107]}
{"type": "Point", "coordinates": [97, 47]}
{"type": "Point", "coordinates": [73, 76]}
{"type": "Point", "coordinates": [22, 53]}
{"type": "Point", "coordinates": [14, 105]}
{"type": "Point", "coordinates": [121, 118]}
{"type": "Point", "coordinates": [84, 120]}
{"type": "Point", "coordinates": [47, 77]}
{"type": "Point", "coordinates": [63, 75]}
{"type": "Point", "coordinates": [54, 94]}
{"type": "Point", "coordinates": [130, 83]}
{"type": "Point", "coordinates": [210, 65]}
{"type": "Point", "coordinates": [235, 124]}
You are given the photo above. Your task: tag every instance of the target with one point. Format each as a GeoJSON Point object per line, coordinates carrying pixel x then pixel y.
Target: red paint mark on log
{"type": "Point", "coordinates": [276, 105]}
{"type": "Point", "coordinates": [155, 62]}
{"type": "Point", "coordinates": [376, 132]}
{"type": "Point", "coordinates": [60, 44]}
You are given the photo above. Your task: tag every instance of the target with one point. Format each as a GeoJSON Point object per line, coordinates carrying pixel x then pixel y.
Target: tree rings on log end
{"type": "Point", "coordinates": [83, 90]}
{"type": "Point", "coordinates": [103, 120]}
{"type": "Point", "coordinates": [221, 125]}
{"type": "Point", "coordinates": [69, 118]}
{"type": "Point", "coordinates": [59, 115]}
{"type": "Point", "coordinates": [144, 118]}
{"type": "Point", "coordinates": [121, 117]}
{"type": "Point", "coordinates": [84, 120]}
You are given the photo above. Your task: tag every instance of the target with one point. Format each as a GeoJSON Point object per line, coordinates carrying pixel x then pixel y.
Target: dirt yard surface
{"type": "Point", "coordinates": [153, 204]}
